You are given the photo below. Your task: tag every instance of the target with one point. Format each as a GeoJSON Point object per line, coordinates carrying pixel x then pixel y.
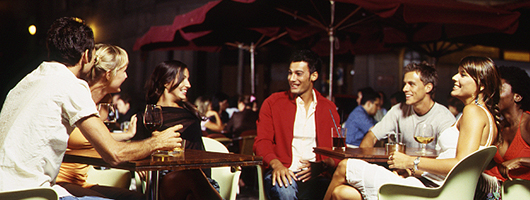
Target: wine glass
{"type": "Point", "coordinates": [107, 113]}
{"type": "Point", "coordinates": [153, 117]}
{"type": "Point", "coordinates": [424, 134]}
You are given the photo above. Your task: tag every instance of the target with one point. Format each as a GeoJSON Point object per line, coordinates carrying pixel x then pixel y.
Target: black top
{"type": "Point", "coordinates": [191, 130]}
{"type": "Point", "coordinates": [172, 116]}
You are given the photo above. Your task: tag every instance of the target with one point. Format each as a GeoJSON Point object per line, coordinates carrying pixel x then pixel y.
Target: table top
{"type": "Point", "coordinates": [373, 155]}
{"type": "Point", "coordinates": [190, 159]}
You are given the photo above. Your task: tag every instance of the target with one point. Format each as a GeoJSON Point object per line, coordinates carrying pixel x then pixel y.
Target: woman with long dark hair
{"type": "Point", "coordinates": [168, 87]}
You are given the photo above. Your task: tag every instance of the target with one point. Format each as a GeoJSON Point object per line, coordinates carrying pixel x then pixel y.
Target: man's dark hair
{"type": "Point", "coordinates": [369, 96]}
{"type": "Point", "coordinates": [218, 98]}
{"type": "Point", "coordinates": [366, 90]}
{"type": "Point", "coordinates": [427, 74]}
{"type": "Point", "coordinates": [399, 96]}
{"type": "Point", "coordinates": [67, 40]}
{"type": "Point", "coordinates": [520, 82]}
{"type": "Point", "coordinates": [311, 58]}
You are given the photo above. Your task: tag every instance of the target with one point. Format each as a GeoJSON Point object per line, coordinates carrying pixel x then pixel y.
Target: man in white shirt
{"type": "Point", "coordinates": [419, 107]}
{"type": "Point", "coordinates": [41, 111]}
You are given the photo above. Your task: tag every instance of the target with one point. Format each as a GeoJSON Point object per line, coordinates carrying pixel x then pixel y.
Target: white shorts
{"type": "Point", "coordinates": [368, 178]}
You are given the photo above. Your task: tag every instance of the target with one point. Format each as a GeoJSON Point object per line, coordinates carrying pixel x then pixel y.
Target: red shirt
{"type": "Point", "coordinates": [276, 122]}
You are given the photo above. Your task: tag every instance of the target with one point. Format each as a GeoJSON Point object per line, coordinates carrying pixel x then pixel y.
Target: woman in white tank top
{"type": "Point", "coordinates": [476, 84]}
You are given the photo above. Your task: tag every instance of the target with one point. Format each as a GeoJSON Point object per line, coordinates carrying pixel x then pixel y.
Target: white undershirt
{"type": "Point", "coordinates": [304, 133]}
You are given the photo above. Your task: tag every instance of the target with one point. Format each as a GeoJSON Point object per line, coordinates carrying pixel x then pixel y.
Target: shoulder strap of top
{"type": "Point", "coordinates": [490, 119]}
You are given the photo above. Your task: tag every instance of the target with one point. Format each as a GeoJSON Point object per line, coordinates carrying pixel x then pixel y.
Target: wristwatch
{"type": "Point", "coordinates": [416, 162]}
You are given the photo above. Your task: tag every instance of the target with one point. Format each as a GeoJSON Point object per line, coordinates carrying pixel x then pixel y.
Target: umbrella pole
{"type": "Point", "coordinates": [240, 69]}
{"type": "Point", "coordinates": [252, 69]}
{"type": "Point", "coordinates": [331, 41]}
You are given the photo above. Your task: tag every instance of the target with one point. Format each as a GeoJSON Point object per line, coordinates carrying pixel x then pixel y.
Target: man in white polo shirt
{"type": "Point", "coordinates": [41, 111]}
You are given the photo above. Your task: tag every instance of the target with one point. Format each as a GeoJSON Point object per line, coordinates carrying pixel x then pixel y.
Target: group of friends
{"type": "Point", "coordinates": [293, 122]}
{"type": "Point", "coordinates": [54, 108]}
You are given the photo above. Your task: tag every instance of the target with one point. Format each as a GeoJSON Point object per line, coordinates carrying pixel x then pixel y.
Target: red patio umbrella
{"type": "Point", "coordinates": [361, 26]}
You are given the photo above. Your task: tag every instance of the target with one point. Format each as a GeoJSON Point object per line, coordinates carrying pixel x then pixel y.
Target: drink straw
{"type": "Point", "coordinates": [335, 124]}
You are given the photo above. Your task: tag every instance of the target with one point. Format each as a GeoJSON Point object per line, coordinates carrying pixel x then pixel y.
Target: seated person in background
{"type": "Point", "coordinates": [211, 121]}
{"type": "Point", "coordinates": [477, 84]}
{"type": "Point", "coordinates": [419, 87]}
{"type": "Point", "coordinates": [381, 112]}
{"type": "Point", "coordinates": [512, 159]}
{"type": "Point", "coordinates": [397, 97]}
{"type": "Point", "coordinates": [219, 104]}
{"type": "Point", "coordinates": [290, 125]}
{"type": "Point", "coordinates": [455, 106]}
{"type": "Point", "coordinates": [106, 77]}
{"type": "Point", "coordinates": [243, 120]}
{"type": "Point", "coordinates": [360, 93]}
{"type": "Point", "coordinates": [232, 106]}
{"type": "Point", "coordinates": [361, 119]}
{"type": "Point", "coordinates": [126, 110]}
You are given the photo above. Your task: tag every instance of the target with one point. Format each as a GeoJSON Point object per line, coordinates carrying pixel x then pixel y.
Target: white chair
{"type": "Point", "coordinates": [460, 183]}
{"type": "Point", "coordinates": [30, 194]}
{"type": "Point", "coordinates": [228, 180]}
{"type": "Point", "coordinates": [262, 195]}
{"type": "Point", "coordinates": [515, 189]}
{"type": "Point", "coordinates": [109, 177]}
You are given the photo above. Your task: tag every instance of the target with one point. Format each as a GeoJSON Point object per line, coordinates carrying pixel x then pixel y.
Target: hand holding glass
{"type": "Point", "coordinates": [153, 121]}
{"type": "Point", "coordinates": [424, 134]}
{"type": "Point", "coordinates": [153, 117]}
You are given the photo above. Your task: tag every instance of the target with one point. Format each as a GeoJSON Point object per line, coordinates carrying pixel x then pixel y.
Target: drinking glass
{"type": "Point", "coordinates": [107, 113]}
{"type": "Point", "coordinates": [153, 117]}
{"type": "Point", "coordinates": [424, 134]}
{"type": "Point", "coordinates": [338, 135]}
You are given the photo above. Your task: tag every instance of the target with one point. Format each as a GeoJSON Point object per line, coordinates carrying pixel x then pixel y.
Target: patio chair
{"type": "Point", "coordinates": [228, 180]}
{"type": "Point", "coordinates": [460, 183]}
{"type": "Point", "coordinates": [30, 194]}
{"type": "Point", "coordinates": [261, 194]}
{"type": "Point", "coordinates": [109, 177]}
{"type": "Point", "coordinates": [247, 141]}
{"type": "Point", "coordinates": [515, 189]}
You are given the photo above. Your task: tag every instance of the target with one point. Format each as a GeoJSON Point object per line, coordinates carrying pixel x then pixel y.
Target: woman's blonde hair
{"type": "Point", "coordinates": [108, 58]}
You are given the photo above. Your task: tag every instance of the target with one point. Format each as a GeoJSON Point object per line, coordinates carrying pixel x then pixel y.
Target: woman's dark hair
{"type": "Point", "coordinates": [520, 82]}
{"type": "Point", "coordinates": [171, 71]}
{"type": "Point", "coordinates": [484, 72]}
{"type": "Point", "coordinates": [67, 40]}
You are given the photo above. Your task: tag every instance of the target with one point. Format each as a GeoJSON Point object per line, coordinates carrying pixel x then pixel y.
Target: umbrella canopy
{"type": "Point", "coordinates": [332, 26]}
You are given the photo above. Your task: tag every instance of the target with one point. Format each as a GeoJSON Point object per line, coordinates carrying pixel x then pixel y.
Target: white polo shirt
{"type": "Point", "coordinates": [36, 120]}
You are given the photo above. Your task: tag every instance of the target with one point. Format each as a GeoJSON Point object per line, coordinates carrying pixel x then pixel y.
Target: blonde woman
{"type": "Point", "coordinates": [106, 77]}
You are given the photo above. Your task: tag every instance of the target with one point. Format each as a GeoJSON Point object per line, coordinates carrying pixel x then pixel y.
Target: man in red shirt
{"type": "Point", "coordinates": [290, 125]}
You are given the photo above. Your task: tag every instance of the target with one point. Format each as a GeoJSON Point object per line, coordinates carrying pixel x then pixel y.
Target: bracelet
{"type": "Point", "coordinates": [416, 162]}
